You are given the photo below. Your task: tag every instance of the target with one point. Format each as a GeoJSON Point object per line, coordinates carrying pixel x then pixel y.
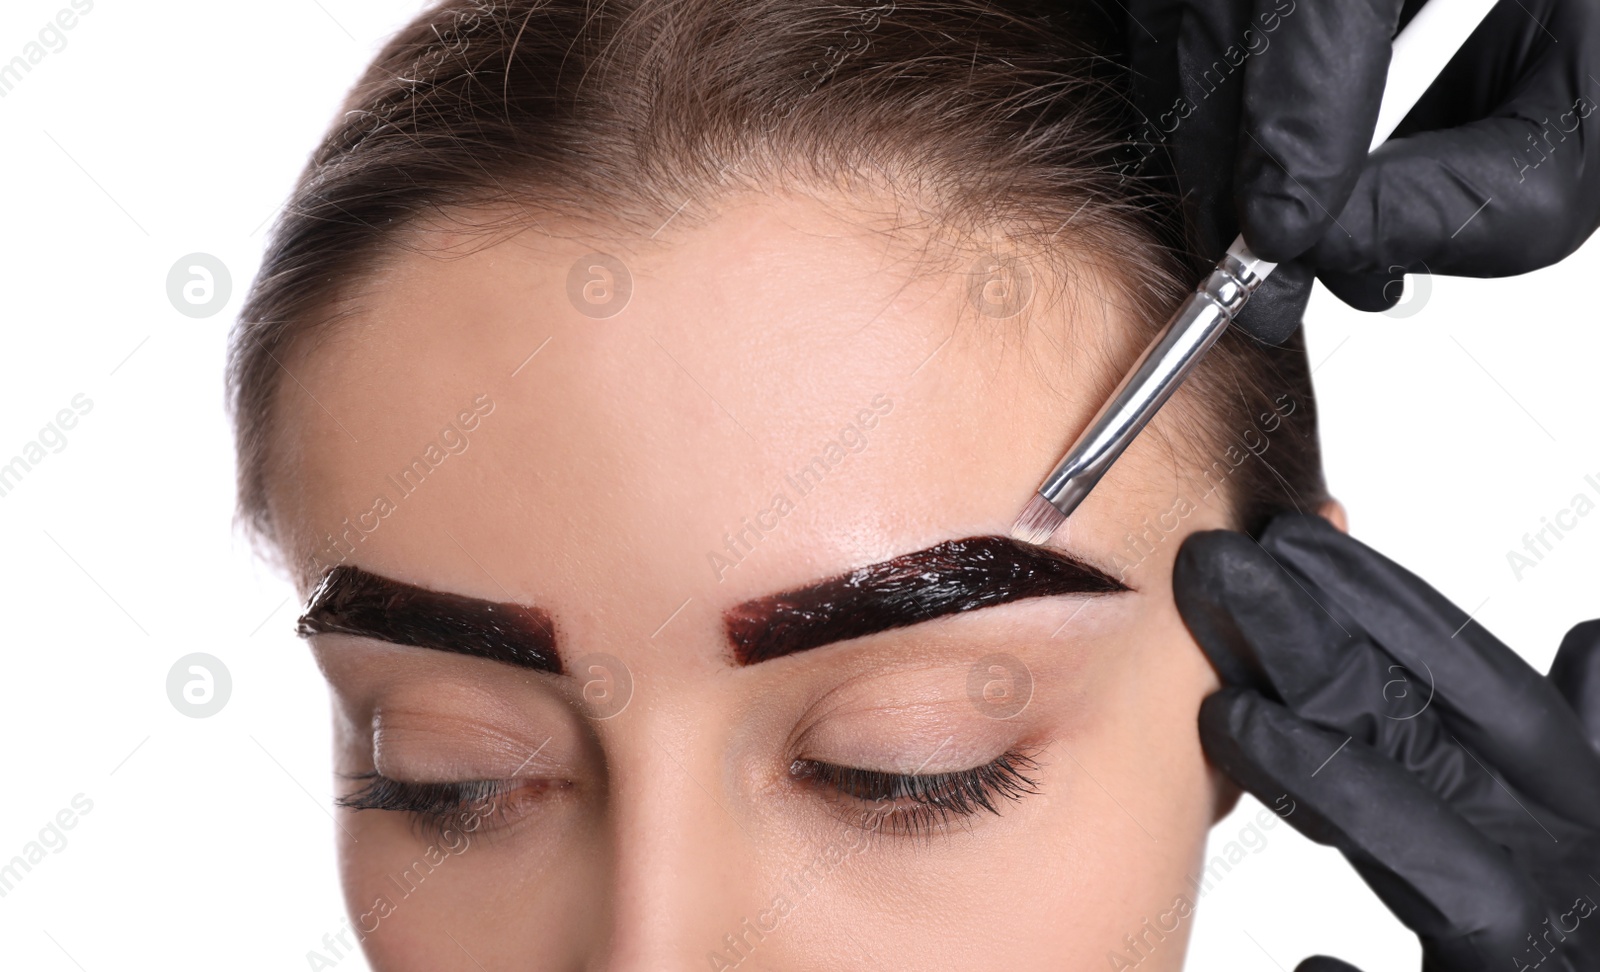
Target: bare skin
{"type": "Point", "coordinates": [602, 484]}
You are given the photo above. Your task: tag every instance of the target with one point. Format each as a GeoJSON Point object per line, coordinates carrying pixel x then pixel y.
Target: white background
{"type": "Point", "coordinates": [166, 128]}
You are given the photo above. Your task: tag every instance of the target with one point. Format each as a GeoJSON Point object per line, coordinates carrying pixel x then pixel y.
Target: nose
{"type": "Point", "coordinates": [684, 869]}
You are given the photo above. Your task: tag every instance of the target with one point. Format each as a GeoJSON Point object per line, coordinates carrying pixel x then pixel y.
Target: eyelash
{"type": "Point", "coordinates": [434, 807]}
{"type": "Point", "coordinates": [917, 803]}
{"type": "Point", "coordinates": [931, 800]}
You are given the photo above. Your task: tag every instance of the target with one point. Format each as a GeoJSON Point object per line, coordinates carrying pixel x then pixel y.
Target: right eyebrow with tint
{"type": "Point", "coordinates": [352, 601]}
{"type": "Point", "coordinates": [947, 578]}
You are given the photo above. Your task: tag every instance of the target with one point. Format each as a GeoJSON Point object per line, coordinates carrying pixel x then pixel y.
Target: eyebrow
{"type": "Point", "coordinates": [352, 601]}
{"type": "Point", "coordinates": [950, 577]}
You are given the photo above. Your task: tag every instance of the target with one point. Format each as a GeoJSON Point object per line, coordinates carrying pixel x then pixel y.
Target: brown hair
{"type": "Point", "coordinates": [982, 114]}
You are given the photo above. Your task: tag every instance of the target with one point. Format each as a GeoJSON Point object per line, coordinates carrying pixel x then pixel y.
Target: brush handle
{"type": "Point", "coordinates": [1421, 52]}
{"type": "Point", "coordinates": [1163, 366]}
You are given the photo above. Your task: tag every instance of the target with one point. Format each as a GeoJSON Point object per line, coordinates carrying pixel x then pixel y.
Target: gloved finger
{"type": "Point", "coordinates": [1304, 138]}
{"type": "Point", "coordinates": [1455, 888]}
{"type": "Point", "coordinates": [1576, 675]}
{"type": "Point", "coordinates": [1492, 700]}
{"type": "Point", "coordinates": [1211, 98]}
{"type": "Point", "coordinates": [1457, 202]}
{"type": "Point", "coordinates": [1324, 963]}
{"type": "Point", "coordinates": [1263, 629]}
{"type": "Point", "coordinates": [1276, 309]}
{"type": "Point", "coordinates": [1370, 292]}
{"type": "Point", "coordinates": [1495, 174]}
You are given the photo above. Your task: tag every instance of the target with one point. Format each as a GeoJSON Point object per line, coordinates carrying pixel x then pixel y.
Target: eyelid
{"type": "Point", "coordinates": [433, 747]}
{"type": "Point", "coordinates": [903, 720]}
{"type": "Point", "coordinates": [421, 715]}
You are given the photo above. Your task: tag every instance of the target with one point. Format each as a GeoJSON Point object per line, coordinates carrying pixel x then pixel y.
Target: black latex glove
{"type": "Point", "coordinates": [1268, 106]}
{"type": "Point", "coordinates": [1461, 784]}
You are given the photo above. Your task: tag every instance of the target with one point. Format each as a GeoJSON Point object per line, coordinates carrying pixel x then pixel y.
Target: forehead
{"type": "Point", "coordinates": [782, 396]}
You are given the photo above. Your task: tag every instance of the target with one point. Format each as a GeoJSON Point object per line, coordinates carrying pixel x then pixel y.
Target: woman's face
{"type": "Point", "coordinates": [716, 778]}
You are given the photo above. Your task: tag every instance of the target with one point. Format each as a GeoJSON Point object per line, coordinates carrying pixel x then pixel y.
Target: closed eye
{"type": "Point", "coordinates": [467, 806]}
{"type": "Point", "coordinates": [913, 804]}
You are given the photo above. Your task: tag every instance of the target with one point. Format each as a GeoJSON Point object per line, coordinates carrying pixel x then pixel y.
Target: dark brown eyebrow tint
{"type": "Point", "coordinates": [954, 576]}
{"type": "Point", "coordinates": [352, 601]}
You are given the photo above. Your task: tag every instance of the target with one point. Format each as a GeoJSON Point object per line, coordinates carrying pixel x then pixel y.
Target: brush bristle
{"type": "Point", "coordinates": [1038, 522]}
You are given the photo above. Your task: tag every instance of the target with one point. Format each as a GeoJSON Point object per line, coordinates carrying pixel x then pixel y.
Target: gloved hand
{"type": "Point", "coordinates": [1462, 785]}
{"type": "Point", "coordinates": [1268, 106]}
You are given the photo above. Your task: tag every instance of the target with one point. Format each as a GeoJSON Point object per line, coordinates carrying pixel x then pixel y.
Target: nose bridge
{"type": "Point", "coordinates": [682, 862]}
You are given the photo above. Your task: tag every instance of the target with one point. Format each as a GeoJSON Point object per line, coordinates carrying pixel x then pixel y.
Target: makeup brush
{"type": "Point", "coordinates": [1421, 51]}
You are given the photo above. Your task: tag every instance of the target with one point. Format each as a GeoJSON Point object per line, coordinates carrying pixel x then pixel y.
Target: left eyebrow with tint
{"type": "Point", "coordinates": [954, 576]}
{"type": "Point", "coordinates": [352, 601]}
